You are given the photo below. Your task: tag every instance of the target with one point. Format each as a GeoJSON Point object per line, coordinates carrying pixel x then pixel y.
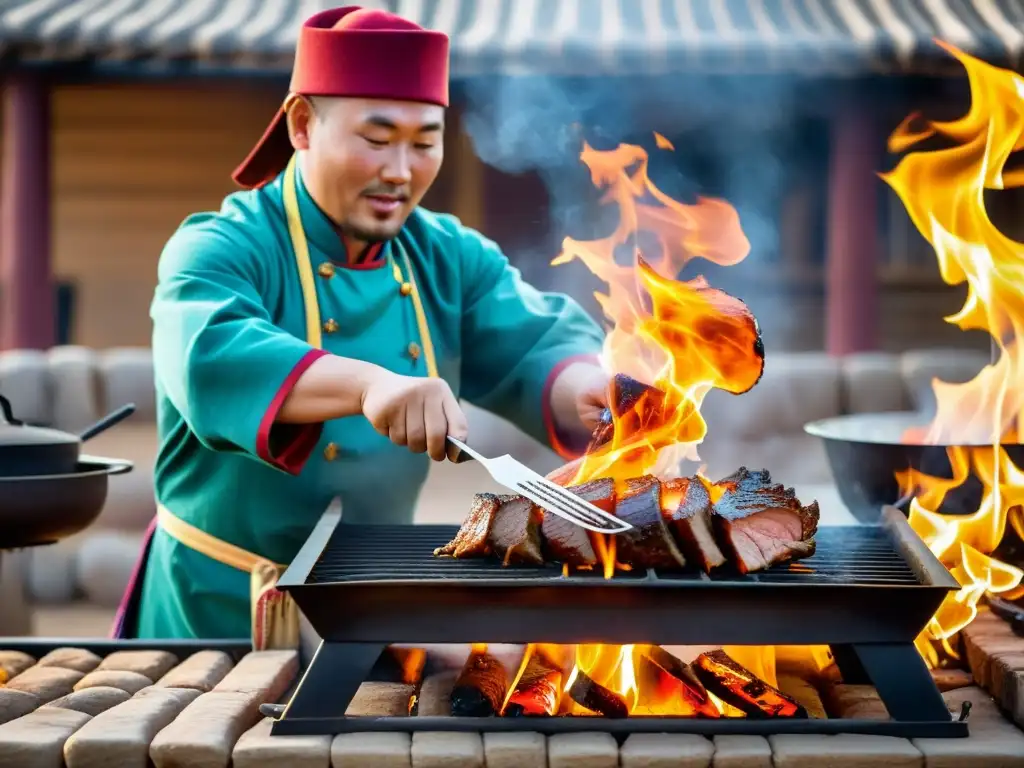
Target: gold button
{"type": "Point", "coordinates": [406, 289]}
{"type": "Point", "coordinates": [331, 325]}
{"type": "Point", "coordinates": [326, 270]}
{"type": "Point", "coordinates": [414, 350]}
{"type": "Point", "coordinates": [331, 451]}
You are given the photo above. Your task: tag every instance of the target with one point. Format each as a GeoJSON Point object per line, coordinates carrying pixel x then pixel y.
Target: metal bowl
{"type": "Point", "coordinates": [43, 509]}
{"type": "Point", "coordinates": [865, 452]}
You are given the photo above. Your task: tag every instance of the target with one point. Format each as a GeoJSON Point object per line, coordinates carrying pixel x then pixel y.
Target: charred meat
{"type": "Point", "coordinates": [686, 505]}
{"type": "Point", "coordinates": [649, 544]}
{"type": "Point", "coordinates": [759, 523]}
{"type": "Point", "coordinates": [472, 540]}
{"type": "Point", "coordinates": [565, 542]}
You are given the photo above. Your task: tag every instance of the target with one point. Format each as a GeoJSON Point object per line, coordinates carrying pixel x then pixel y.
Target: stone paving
{"type": "Point", "coordinates": [72, 708]}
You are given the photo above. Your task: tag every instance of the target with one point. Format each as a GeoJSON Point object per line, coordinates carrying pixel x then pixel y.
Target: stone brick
{"type": "Point", "coordinates": [46, 683]}
{"type": "Point", "coordinates": [151, 664]}
{"type": "Point", "coordinates": [15, 704]}
{"type": "Point", "coordinates": [843, 751]}
{"type": "Point", "coordinates": [856, 702]}
{"type": "Point", "coordinates": [987, 631]}
{"type": "Point", "coordinates": [13, 663]}
{"type": "Point", "coordinates": [742, 752]}
{"type": "Point", "coordinates": [372, 750]}
{"type": "Point", "coordinates": [515, 750]}
{"type": "Point", "coordinates": [435, 699]}
{"type": "Point", "coordinates": [92, 701]}
{"type": "Point", "coordinates": [130, 682]}
{"type": "Point", "coordinates": [447, 750]}
{"type": "Point", "coordinates": [1000, 675]}
{"type": "Point", "coordinates": [583, 750]}
{"type": "Point", "coordinates": [256, 748]}
{"type": "Point", "coordinates": [37, 739]}
{"type": "Point", "coordinates": [206, 731]}
{"type": "Point", "coordinates": [77, 659]}
{"type": "Point", "coordinates": [993, 742]}
{"type": "Point", "coordinates": [666, 750]}
{"type": "Point", "coordinates": [987, 648]}
{"type": "Point", "coordinates": [121, 735]}
{"type": "Point", "coordinates": [375, 699]}
{"type": "Point", "coordinates": [1017, 687]}
{"type": "Point", "coordinates": [268, 673]}
{"type": "Point", "coordinates": [951, 679]}
{"type": "Point", "coordinates": [202, 671]}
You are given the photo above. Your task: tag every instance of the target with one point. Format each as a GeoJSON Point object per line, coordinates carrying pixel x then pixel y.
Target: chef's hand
{"type": "Point", "coordinates": [579, 395]}
{"type": "Point", "coordinates": [415, 412]}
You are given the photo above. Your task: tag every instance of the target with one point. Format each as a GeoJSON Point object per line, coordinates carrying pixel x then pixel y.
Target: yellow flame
{"type": "Point", "coordinates": [943, 191]}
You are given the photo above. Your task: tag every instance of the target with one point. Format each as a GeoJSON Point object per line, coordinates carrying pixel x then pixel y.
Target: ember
{"type": "Point", "coordinates": [943, 192]}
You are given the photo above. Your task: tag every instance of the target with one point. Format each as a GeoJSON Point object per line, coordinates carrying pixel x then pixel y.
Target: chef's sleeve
{"type": "Point", "coordinates": [516, 340]}
{"type": "Point", "coordinates": [222, 363]}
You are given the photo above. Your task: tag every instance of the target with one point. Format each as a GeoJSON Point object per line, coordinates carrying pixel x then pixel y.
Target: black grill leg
{"type": "Point", "coordinates": [902, 679]}
{"type": "Point", "coordinates": [849, 665]}
{"type": "Point", "coordinates": [330, 682]}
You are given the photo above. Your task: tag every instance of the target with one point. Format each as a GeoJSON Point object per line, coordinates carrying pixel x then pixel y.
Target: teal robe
{"type": "Point", "coordinates": [229, 334]}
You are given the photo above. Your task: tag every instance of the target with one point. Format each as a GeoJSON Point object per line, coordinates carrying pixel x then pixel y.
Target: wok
{"type": "Point", "coordinates": [26, 450]}
{"type": "Point", "coordinates": [43, 509]}
{"type": "Point", "coordinates": [865, 452]}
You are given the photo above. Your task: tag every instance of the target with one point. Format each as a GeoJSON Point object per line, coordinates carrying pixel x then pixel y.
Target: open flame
{"type": "Point", "coordinates": [681, 337]}
{"type": "Point", "coordinates": [943, 192]}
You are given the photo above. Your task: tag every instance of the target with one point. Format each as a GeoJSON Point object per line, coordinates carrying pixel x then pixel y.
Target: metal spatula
{"type": "Point", "coordinates": [548, 496]}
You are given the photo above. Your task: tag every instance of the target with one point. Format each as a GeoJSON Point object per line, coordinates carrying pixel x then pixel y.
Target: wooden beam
{"type": "Point", "coordinates": [851, 279]}
{"type": "Point", "coordinates": [27, 316]}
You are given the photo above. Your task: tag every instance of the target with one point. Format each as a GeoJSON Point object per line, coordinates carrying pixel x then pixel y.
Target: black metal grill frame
{"type": "Point", "coordinates": [867, 592]}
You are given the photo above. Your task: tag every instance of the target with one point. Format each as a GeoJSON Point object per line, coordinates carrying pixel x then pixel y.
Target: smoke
{"type": "Point", "coordinates": [735, 137]}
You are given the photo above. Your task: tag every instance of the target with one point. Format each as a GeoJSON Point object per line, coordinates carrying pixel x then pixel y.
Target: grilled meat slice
{"type": "Point", "coordinates": [471, 540]}
{"type": "Point", "coordinates": [736, 685]}
{"type": "Point", "coordinates": [758, 523]}
{"type": "Point", "coordinates": [515, 532]}
{"type": "Point", "coordinates": [649, 544]}
{"type": "Point", "coordinates": [565, 542]}
{"type": "Point", "coordinates": [687, 508]}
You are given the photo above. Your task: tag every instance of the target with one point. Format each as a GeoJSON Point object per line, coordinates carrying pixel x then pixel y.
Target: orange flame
{"type": "Point", "coordinates": [943, 192]}
{"type": "Point", "coordinates": [683, 338]}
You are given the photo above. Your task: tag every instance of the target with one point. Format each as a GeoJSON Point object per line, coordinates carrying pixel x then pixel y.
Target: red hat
{"type": "Point", "coordinates": [358, 52]}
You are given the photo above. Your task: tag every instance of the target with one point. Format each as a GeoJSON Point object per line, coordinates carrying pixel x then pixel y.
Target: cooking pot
{"type": "Point", "coordinates": [865, 450]}
{"type": "Point", "coordinates": [27, 451]}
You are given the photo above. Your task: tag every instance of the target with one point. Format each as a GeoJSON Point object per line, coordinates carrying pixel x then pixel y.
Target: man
{"type": "Point", "coordinates": [312, 337]}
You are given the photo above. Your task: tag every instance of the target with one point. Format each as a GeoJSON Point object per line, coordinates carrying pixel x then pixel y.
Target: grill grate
{"type": "Point", "coordinates": [851, 556]}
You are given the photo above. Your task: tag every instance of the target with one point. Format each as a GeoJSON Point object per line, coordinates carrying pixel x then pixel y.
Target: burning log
{"type": "Point", "coordinates": [649, 544]}
{"type": "Point", "coordinates": [590, 695]}
{"type": "Point", "coordinates": [537, 690]}
{"type": "Point", "coordinates": [759, 523]}
{"type": "Point", "coordinates": [481, 687]}
{"type": "Point", "coordinates": [668, 686]}
{"type": "Point", "coordinates": [739, 687]}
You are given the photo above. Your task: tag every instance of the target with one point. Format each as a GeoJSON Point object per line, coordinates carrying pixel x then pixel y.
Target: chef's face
{"type": "Point", "coordinates": [368, 161]}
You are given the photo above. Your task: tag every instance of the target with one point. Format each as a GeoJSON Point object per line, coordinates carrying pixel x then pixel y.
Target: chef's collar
{"type": "Point", "coordinates": [325, 235]}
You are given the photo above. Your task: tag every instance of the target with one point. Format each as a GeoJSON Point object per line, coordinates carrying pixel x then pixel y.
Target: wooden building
{"type": "Point", "coordinates": [121, 118]}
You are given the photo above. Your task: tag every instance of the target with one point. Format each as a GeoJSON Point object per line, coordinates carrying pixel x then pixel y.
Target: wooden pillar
{"type": "Point", "coordinates": [851, 280]}
{"type": "Point", "coordinates": [27, 303]}
{"type": "Point", "coordinates": [468, 193]}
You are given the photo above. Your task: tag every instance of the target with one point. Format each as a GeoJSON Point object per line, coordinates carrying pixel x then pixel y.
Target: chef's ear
{"type": "Point", "coordinates": [299, 114]}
